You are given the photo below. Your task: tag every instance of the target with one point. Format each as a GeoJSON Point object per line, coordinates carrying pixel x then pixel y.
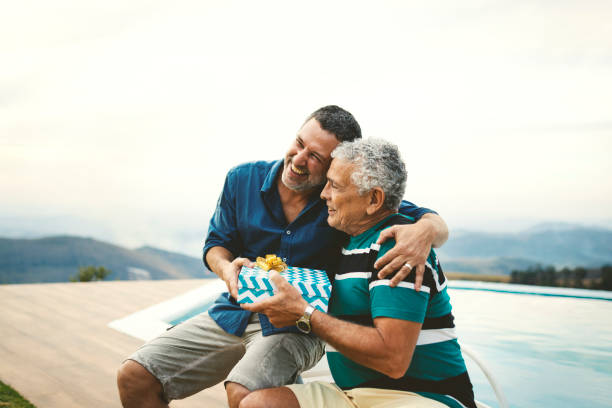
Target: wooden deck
{"type": "Point", "coordinates": [57, 350]}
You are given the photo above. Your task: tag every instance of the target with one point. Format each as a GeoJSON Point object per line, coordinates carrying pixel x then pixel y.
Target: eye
{"type": "Point", "coordinates": [317, 158]}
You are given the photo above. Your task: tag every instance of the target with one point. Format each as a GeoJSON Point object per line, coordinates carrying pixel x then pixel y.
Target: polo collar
{"type": "Point", "coordinates": [270, 181]}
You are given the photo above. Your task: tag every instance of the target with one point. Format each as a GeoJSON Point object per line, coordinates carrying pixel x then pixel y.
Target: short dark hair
{"type": "Point", "coordinates": [338, 121]}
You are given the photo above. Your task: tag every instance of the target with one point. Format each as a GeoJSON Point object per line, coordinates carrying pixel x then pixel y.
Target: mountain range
{"type": "Point", "coordinates": [557, 244]}
{"type": "Point", "coordinates": [56, 259]}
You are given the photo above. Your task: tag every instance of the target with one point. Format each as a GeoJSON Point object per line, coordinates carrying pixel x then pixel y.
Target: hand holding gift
{"type": "Point", "coordinates": [285, 307]}
{"type": "Point", "coordinates": [255, 283]}
{"type": "Point", "coordinates": [230, 273]}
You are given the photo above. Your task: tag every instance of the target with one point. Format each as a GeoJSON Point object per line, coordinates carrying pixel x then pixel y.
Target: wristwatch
{"type": "Point", "coordinates": [303, 323]}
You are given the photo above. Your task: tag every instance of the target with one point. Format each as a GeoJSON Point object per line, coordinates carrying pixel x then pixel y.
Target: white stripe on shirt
{"type": "Point", "coordinates": [401, 284]}
{"type": "Point", "coordinates": [436, 336]}
{"type": "Point", "coordinates": [356, 251]}
{"type": "Point", "coordinates": [356, 275]}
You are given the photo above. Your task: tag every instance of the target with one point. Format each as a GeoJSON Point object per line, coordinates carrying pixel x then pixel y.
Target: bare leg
{"type": "Point", "coordinates": [281, 397]}
{"type": "Point", "coordinates": [138, 388]}
{"type": "Point", "coordinates": [235, 393]}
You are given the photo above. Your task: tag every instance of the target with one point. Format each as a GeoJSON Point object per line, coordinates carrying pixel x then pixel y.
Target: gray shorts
{"type": "Point", "coordinates": [198, 354]}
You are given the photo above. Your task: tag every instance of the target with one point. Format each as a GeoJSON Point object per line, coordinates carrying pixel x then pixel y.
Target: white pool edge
{"type": "Point", "coordinates": [531, 289]}
{"type": "Point", "coordinates": [146, 324]}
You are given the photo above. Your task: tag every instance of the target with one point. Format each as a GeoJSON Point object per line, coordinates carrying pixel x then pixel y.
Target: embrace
{"type": "Point", "coordinates": [333, 203]}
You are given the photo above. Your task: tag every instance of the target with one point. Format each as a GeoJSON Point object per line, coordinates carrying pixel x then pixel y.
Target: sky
{"type": "Point", "coordinates": [120, 119]}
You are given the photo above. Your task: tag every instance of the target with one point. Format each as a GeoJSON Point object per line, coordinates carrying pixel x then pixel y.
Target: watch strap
{"type": "Point", "coordinates": [309, 311]}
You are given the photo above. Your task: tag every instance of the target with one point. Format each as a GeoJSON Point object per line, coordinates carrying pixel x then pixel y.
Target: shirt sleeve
{"type": "Point", "coordinates": [400, 302]}
{"type": "Point", "coordinates": [412, 211]}
{"type": "Point", "coordinates": [223, 230]}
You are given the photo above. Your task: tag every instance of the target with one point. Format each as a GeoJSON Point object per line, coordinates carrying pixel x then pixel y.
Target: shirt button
{"type": "Point", "coordinates": [288, 232]}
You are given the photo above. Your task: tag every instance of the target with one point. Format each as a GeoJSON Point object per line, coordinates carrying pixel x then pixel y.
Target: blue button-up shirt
{"type": "Point", "coordinates": [249, 222]}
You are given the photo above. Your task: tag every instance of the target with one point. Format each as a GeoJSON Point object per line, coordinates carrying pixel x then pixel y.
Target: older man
{"type": "Point", "coordinates": [392, 346]}
{"type": "Point", "coordinates": [264, 208]}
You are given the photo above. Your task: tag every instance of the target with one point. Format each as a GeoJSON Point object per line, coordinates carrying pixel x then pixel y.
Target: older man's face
{"type": "Point", "coordinates": [345, 207]}
{"type": "Point", "coordinates": [308, 158]}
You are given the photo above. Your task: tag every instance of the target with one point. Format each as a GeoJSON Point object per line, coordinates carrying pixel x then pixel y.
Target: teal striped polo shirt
{"type": "Point", "coordinates": [437, 369]}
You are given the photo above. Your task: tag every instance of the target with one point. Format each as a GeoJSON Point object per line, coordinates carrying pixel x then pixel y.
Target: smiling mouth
{"type": "Point", "coordinates": [298, 171]}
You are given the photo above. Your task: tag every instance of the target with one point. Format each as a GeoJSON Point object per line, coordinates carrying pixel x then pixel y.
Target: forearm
{"type": "Point", "coordinates": [437, 228]}
{"type": "Point", "coordinates": [218, 258]}
{"type": "Point", "coordinates": [364, 345]}
{"type": "Point", "coordinates": [387, 347]}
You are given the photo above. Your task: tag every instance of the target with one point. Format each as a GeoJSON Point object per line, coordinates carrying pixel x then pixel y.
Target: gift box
{"type": "Point", "coordinates": [254, 285]}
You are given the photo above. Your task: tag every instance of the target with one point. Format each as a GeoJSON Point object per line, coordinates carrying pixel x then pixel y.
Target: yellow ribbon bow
{"type": "Point", "coordinates": [271, 262]}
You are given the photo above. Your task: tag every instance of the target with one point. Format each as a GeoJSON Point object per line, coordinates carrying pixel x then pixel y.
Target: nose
{"type": "Point", "coordinates": [325, 193]}
{"type": "Point", "coordinates": [300, 157]}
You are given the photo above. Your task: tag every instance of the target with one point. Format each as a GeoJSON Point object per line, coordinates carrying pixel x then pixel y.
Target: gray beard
{"type": "Point", "coordinates": [300, 188]}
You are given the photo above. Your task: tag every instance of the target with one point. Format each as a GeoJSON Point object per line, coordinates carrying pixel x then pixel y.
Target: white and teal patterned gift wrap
{"type": "Point", "coordinates": [313, 284]}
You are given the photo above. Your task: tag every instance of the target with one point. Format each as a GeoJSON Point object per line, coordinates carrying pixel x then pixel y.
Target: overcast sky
{"type": "Point", "coordinates": [119, 119]}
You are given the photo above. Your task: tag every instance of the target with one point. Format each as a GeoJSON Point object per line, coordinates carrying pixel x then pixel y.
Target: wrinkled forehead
{"type": "Point", "coordinates": [340, 171]}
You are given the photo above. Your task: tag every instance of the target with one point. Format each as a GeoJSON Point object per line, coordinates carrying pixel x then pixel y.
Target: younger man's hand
{"type": "Point", "coordinates": [412, 246]}
{"type": "Point", "coordinates": [231, 272]}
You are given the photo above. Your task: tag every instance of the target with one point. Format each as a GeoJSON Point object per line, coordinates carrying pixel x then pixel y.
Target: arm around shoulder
{"type": "Point", "coordinates": [436, 229]}
{"type": "Point", "coordinates": [439, 229]}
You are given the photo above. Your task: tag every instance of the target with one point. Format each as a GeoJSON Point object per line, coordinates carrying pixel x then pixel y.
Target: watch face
{"type": "Point", "coordinates": [303, 326]}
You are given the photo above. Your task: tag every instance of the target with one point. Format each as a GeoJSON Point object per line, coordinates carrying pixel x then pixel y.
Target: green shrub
{"type": "Point", "coordinates": [90, 273]}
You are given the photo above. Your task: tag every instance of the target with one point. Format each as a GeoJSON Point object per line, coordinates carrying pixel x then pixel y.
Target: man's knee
{"type": "Point", "coordinates": [235, 393]}
{"type": "Point", "coordinates": [134, 380]}
{"type": "Point", "coordinates": [252, 400]}
{"type": "Point", "coordinates": [280, 397]}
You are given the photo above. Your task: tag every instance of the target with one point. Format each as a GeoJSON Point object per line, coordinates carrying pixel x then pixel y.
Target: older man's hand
{"type": "Point", "coordinates": [285, 307]}
{"type": "Point", "coordinates": [412, 247]}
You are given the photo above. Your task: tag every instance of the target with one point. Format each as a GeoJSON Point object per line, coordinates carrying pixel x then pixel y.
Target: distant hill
{"type": "Point", "coordinates": [55, 259]}
{"type": "Point", "coordinates": [485, 266]}
{"type": "Point", "coordinates": [557, 244]}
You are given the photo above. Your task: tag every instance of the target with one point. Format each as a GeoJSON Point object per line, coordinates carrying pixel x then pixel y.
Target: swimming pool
{"type": "Point", "coordinates": [545, 351]}
{"type": "Point", "coordinates": [545, 347]}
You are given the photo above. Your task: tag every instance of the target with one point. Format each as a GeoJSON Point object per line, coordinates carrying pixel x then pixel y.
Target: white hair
{"type": "Point", "coordinates": [378, 164]}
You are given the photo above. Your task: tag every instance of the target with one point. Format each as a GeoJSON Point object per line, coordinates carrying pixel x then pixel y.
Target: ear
{"type": "Point", "coordinates": [377, 198]}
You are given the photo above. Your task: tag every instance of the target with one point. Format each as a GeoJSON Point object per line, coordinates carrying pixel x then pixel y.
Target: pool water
{"type": "Point", "coordinates": [193, 312]}
{"type": "Point", "coordinates": [544, 351]}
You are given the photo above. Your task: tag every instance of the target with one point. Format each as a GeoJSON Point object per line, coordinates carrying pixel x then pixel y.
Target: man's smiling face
{"type": "Point", "coordinates": [347, 209]}
{"type": "Point", "coordinates": [308, 158]}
